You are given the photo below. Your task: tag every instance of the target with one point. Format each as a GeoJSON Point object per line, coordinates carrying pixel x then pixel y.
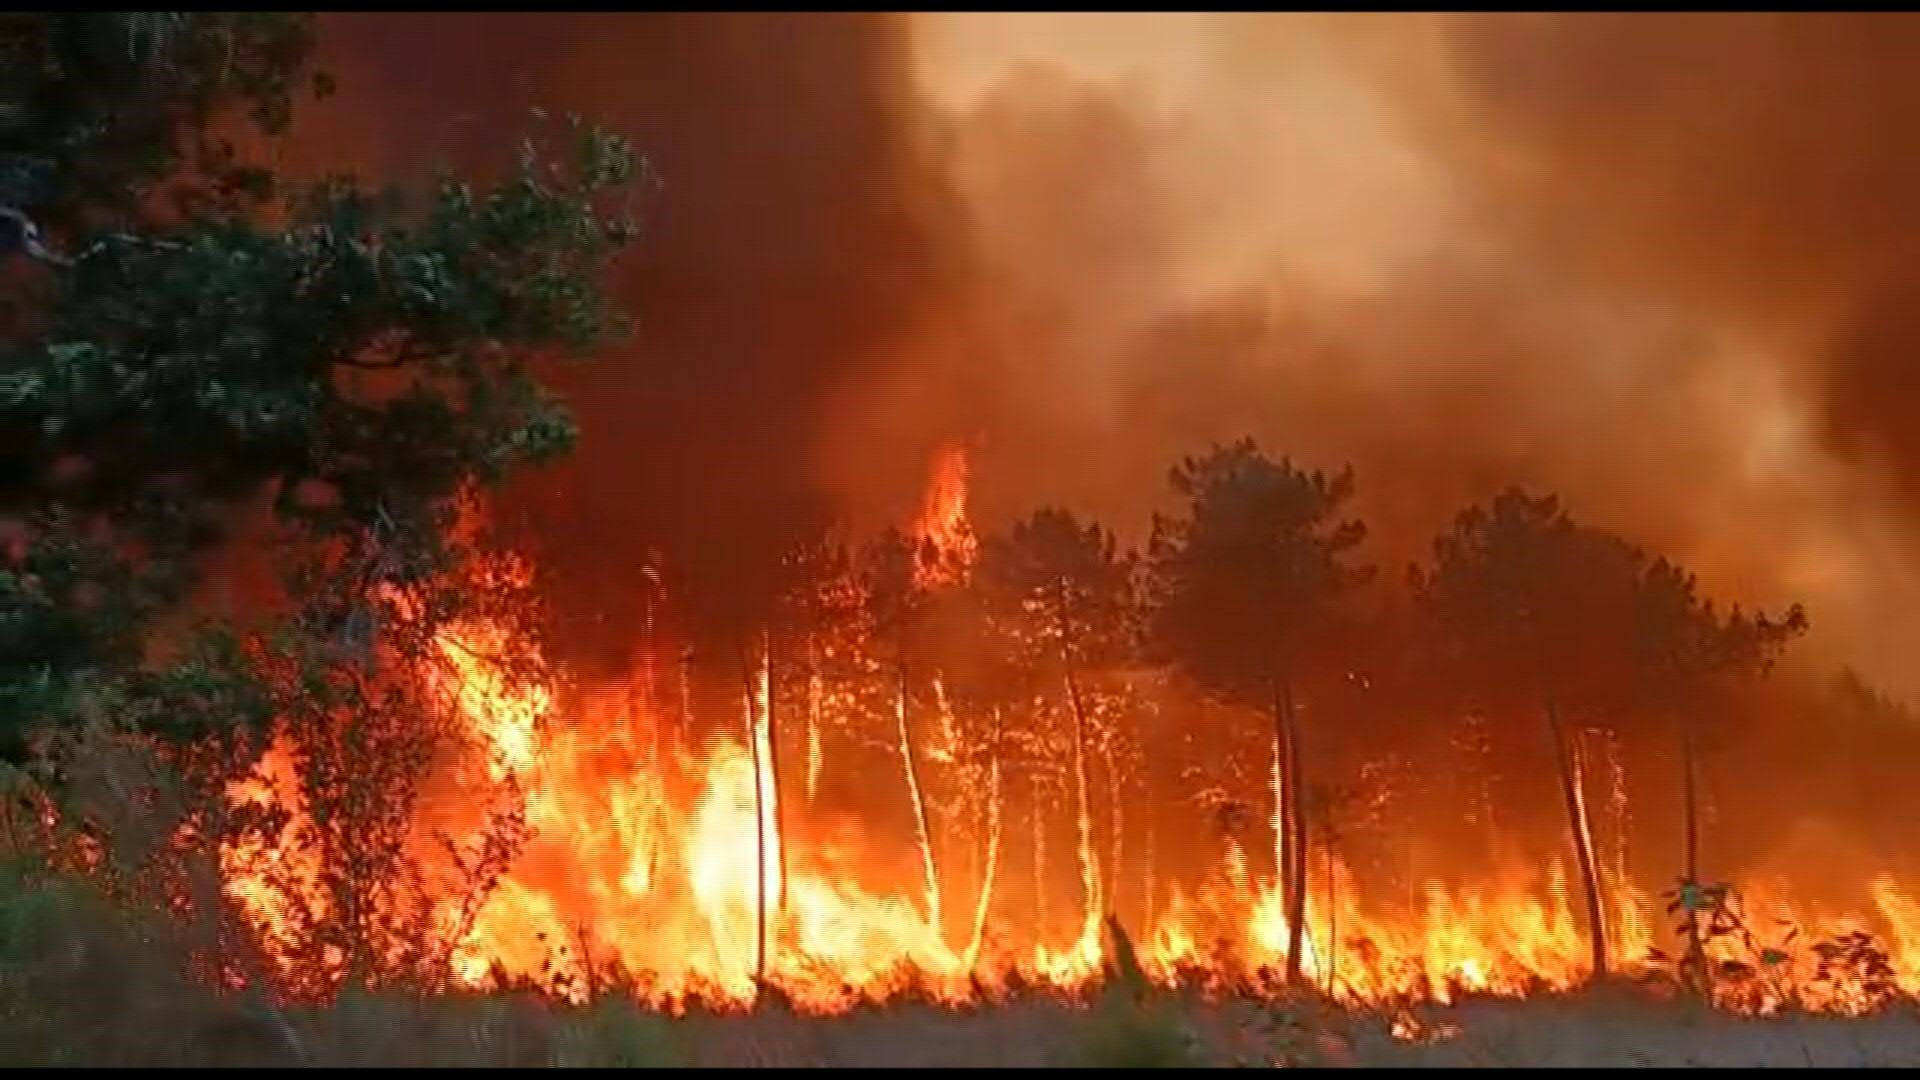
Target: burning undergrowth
{"type": "Point", "coordinates": [932, 778]}
{"type": "Point", "coordinates": [1218, 789]}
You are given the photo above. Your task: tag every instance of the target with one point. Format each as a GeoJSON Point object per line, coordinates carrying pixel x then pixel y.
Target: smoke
{"type": "Point", "coordinates": [1651, 262]}
{"type": "Point", "coordinates": [796, 240]}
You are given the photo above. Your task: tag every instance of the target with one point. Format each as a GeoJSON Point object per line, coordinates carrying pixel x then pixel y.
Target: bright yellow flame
{"type": "Point", "coordinates": [645, 861]}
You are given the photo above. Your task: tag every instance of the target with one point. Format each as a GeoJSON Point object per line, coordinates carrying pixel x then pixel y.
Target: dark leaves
{"type": "Point", "coordinates": [1247, 575]}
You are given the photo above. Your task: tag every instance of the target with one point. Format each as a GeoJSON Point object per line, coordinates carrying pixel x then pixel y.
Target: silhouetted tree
{"type": "Point", "coordinates": [898, 604]}
{"type": "Point", "coordinates": [1062, 600]}
{"type": "Point", "coordinates": [184, 331]}
{"type": "Point", "coordinates": [1682, 645]}
{"type": "Point", "coordinates": [1539, 609]}
{"type": "Point", "coordinates": [749, 599]}
{"type": "Point", "coordinates": [1241, 581]}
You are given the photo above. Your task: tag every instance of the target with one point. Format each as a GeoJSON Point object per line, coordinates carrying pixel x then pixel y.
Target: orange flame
{"type": "Point", "coordinates": [649, 867]}
{"type": "Point", "coordinates": [943, 525]}
{"type": "Point", "coordinates": [643, 861]}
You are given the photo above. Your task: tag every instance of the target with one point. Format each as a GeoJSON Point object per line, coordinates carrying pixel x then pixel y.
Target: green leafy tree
{"type": "Point", "coordinates": [187, 331]}
{"type": "Point", "coordinates": [1243, 581]}
{"type": "Point", "coordinates": [184, 333]}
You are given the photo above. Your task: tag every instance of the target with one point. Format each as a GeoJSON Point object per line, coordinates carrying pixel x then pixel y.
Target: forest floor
{"type": "Point", "coordinates": [497, 1030]}
{"type": "Point", "coordinates": [77, 988]}
{"type": "Point", "coordinates": [1579, 1031]}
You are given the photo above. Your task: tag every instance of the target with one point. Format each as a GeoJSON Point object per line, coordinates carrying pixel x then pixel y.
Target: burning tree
{"type": "Point", "coordinates": [188, 334]}
{"type": "Point", "coordinates": [1539, 609]}
{"type": "Point", "coordinates": [1241, 582]}
{"type": "Point", "coordinates": [1682, 646]}
{"type": "Point", "coordinates": [899, 601]}
{"type": "Point", "coordinates": [1570, 617]}
{"type": "Point", "coordinates": [1061, 599]}
{"type": "Point", "coordinates": [756, 605]}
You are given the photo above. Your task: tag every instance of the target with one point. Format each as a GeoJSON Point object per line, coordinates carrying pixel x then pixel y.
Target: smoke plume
{"type": "Point", "coordinates": [1651, 262]}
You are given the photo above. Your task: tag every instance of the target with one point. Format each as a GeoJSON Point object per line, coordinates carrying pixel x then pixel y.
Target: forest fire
{"type": "Point", "coordinates": [1149, 538]}
{"type": "Point", "coordinates": [943, 523]}
{"type": "Point", "coordinates": [684, 871]}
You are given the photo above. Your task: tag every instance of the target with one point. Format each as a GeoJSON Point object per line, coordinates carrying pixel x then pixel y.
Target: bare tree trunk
{"type": "Point", "coordinates": [1699, 972]}
{"type": "Point", "coordinates": [1117, 822]}
{"type": "Point", "coordinates": [993, 851]}
{"type": "Point", "coordinates": [1333, 911]}
{"type": "Point", "coordinates": [1089, 868]}
{"type": "Point", "coordinates": [1282, 823]}
{"type": "Point", "coordinates": [1297, 836]}
{"type": "Point", "coordinates": [759, 843]}
{"type": "Point", "coordinates": [771, 732]}
{"type": "Point", "coordinates": [1570, 790]}
{"type": "Point", "coordinates": [1621, 820]}
{"type": "Point", "coordinates": [816, 757]}
{"type": "Point", "coordinates": [1151, 883]}
{"type": "Point", "coordinates": [1039, 852]}
{"type": "Point", "coordinates": [922, 834]}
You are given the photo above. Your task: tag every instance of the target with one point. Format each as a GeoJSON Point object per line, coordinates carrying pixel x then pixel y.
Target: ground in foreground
{"type": "Point", "coordinates": [499, 1030]}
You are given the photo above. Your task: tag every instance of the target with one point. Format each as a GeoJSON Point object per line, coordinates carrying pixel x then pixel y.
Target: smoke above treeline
{"type": "Point", "coordinates": [1654, 263]}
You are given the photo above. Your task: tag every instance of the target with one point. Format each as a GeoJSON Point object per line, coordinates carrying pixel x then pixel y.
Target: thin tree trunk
{"type": "Point", "coordinates": [1576, 804]}
{"type": "Point", "coordinates": [771, 732]}
{"type": "Point", "coordinates": [1090, 877]}
{"type": "Point", "coordinates": [922, 834]}
{"type": "Point", "coordinates": [759, 843]}
{"type": "Point", "coordinates": [1282, 822]}
{"type": "Point", "coordinates": [1333, 910]}
{"type": "Point", "coordinates": [1297, 839]}
{"type": "Point", "coordinates": [816, 756]}
{"type": "Point", "coordinates": [1039, 853]}
{"type": "Point", "coordinates": [1699, 971]}
{"type": "Point", "coordinates": [1089, 868]}
{"type": "Point", "coordinates": [1117, 822]}
{"type": "Point", "coordinates": [1152, 884]}
{"type": "Point", "coordinates": [993, 850]}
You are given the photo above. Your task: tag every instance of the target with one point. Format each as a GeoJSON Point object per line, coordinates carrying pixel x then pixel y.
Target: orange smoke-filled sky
{"type": "Point", "coordinates": [1649, 261]}
{"type": "Point", "coordinates": [1652, 262]}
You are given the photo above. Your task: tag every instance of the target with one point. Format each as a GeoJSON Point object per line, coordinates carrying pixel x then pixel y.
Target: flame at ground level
{"type": "Point", "coordinates": [652, 864]}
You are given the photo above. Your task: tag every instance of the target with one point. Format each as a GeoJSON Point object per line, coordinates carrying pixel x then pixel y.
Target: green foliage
{"type": "Point", "coordinates": [363, 357]}
{"type": "Point", "coordinates": [36, 914]}
{"type": "Point", "coordinates": [1249, 573]}
{"type": "Point", "coordinates": [87, 981]}
{"type": "Point", "coordinates": [98, 108]}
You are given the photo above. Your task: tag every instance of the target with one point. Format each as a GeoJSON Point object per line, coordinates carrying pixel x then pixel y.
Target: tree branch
{"type": "Point", "coordinates": [29, 238]}
{"type": "Point", "coordinates": [31, 242]}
